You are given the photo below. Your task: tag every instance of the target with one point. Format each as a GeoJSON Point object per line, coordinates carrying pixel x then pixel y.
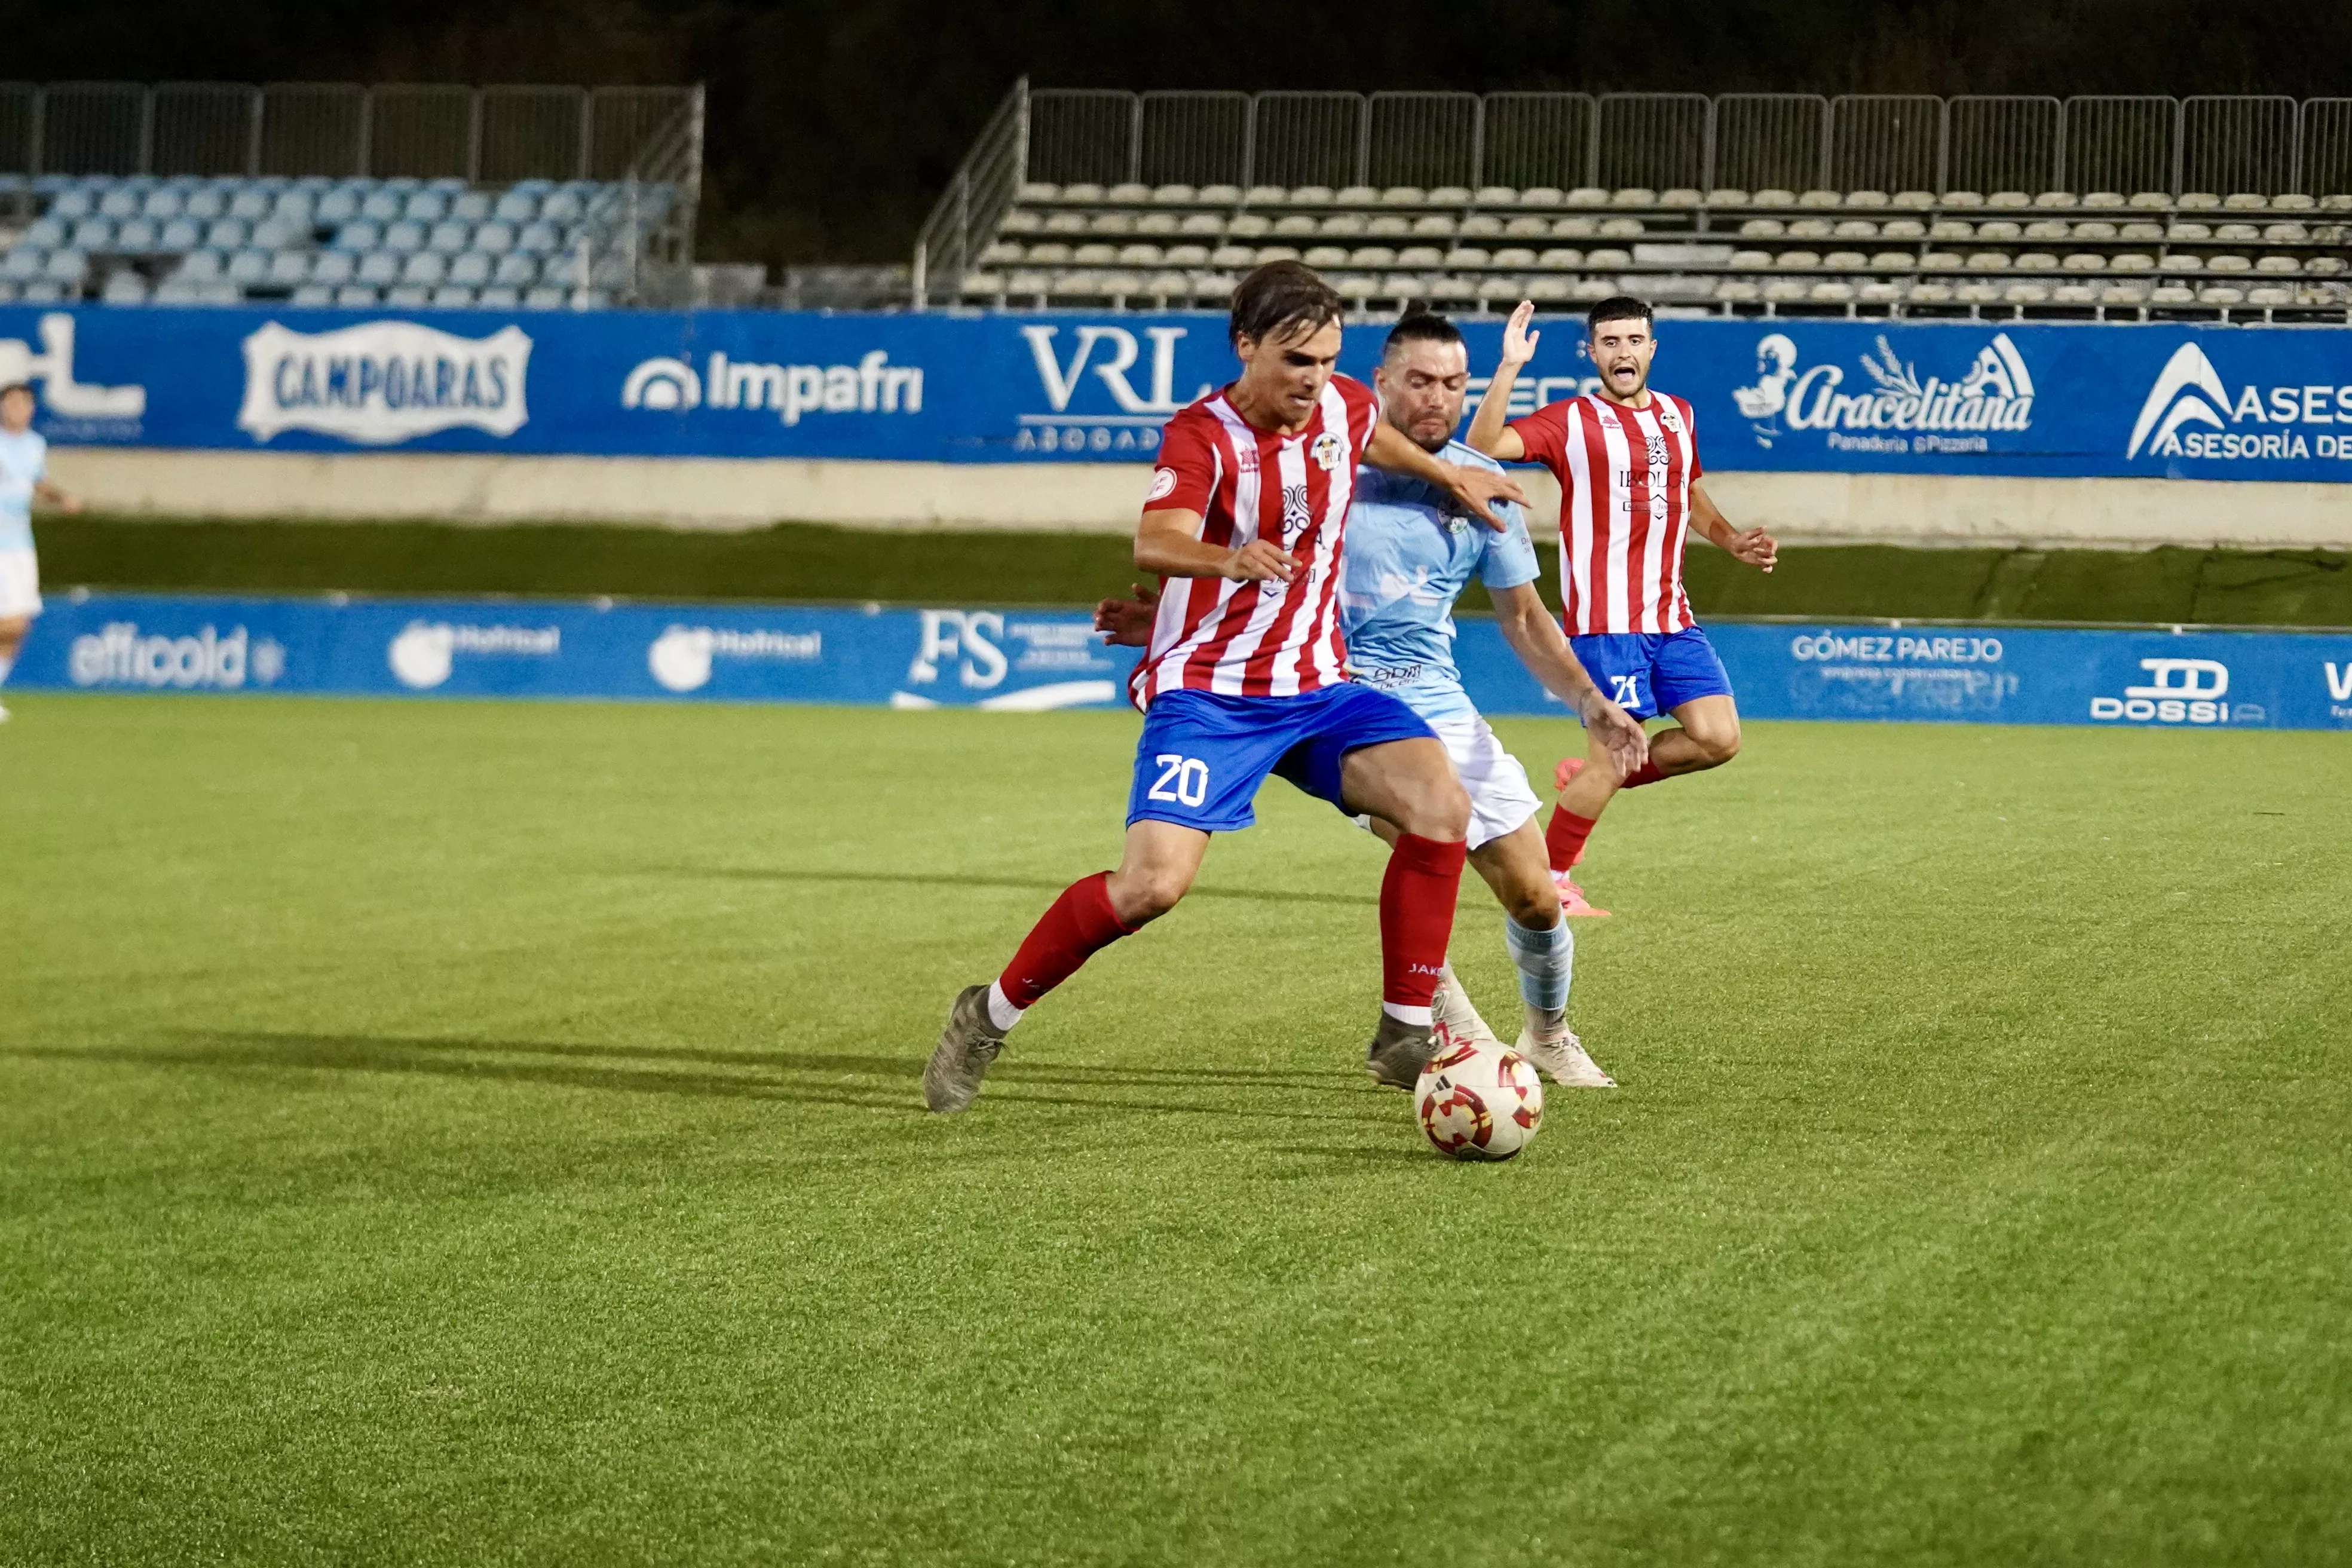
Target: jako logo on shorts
{"type": "Point", "coordinates": [383, 383]}
{"type": "Point", "coordinates": [425, 652]}
{"type": "Point", "coordinates": [118, 656]}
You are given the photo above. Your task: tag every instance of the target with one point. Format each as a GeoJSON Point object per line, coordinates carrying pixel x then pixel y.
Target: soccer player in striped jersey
{"type": "Point", "coordinates": [1410, 552]}
{"type": "Point", "coordinates": [1245, 522]}
{"type": "Point", "coordinates": [1627, 462]}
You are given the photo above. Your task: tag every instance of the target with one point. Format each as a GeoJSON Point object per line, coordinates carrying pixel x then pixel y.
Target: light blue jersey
{"type": "Point", "coordinates": [1410, 555]}
{"type": "Point", "coordinates": [24, 460]}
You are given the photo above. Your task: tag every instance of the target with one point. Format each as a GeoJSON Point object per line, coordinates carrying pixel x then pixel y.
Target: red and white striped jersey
{"type": "Point", "coordinates": [1256, 639]}
{"type": "Point", "coordinates": [1625, 477]}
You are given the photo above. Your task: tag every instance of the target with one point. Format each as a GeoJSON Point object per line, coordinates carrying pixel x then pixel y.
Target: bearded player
{"type": "Point", "coordinates": [1627, 461]}
{"type": "Point", "coordinates": [1410, 552]}
{"type": "Point", "coordinates": [1245, 522]}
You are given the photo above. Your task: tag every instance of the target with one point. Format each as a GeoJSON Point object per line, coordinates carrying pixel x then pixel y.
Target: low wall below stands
{"type": "Point", "coordinates": [739, 493]}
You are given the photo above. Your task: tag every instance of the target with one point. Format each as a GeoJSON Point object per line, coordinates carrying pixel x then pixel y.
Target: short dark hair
{"type": "Point", "coordinates": [24, 386]}
{"type": "Point", "coordinates": [1420, 327]}
{"type": "Point", "coordinates": [1616, 308]}
{"type": "Point", "coordinates": [1279, 296]}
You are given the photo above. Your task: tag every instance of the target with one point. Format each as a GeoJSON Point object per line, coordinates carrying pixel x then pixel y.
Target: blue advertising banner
{"type": "Point", "coordinates": [1030, 661]}
{"type": "Point", "coordinates": [1961, 397]}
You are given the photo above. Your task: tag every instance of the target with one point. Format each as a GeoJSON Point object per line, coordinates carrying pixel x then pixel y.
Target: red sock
{"type": "Point", "coordinates": [1646, 774]}
{"type": "Point", "coordinates": [1080, 924]}
{"type": "Point", "coordinates": [1417, 917]}
{"type": "Point", "coordinates": [1564, 836]}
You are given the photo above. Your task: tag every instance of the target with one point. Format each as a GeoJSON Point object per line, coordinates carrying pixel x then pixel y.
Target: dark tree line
{"type": "Point", "coordinates": [833, 126]}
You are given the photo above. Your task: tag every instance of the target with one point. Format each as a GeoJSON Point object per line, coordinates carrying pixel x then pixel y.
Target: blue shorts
{"type": "Point", "coordinates": [1649, 674]}
{"type": "Point", "coordinates": [1203, 755]}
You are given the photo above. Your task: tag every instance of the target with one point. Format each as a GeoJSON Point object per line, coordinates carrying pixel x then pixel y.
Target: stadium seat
{"type": "Point", "coordinates": [497, 297]}
{"type": "Point", "coordinates": [561, 206]}
{"type": "Point", "coordinates": [72, 203]}
{"type": "Point", "coordinates": [312, 296]}
{"type": "Point", "coordinates": [355, 295]}
{"type": "Point", "coordinates": [162, 203]}
{"type": "Point", "coordinates": [400, 237]}
{"type": "Point", "coordinates": [425, 206]}
{"type": "Point", "coordinates": [337, 206]}
{"type": "Point", "coordinates": [424, 269]}
{"type": "Point", "coordinates": [250, 204]}
{"type": "Point", "coordinates": [288, 267]}
{"type": "Point", "coordinates": [450, 297]}
{"type": "Point", "coordinates": [449, 236]}
{"type": "Point", "coordinates": [278, 234]}
{"type": "Point", "coordinates": [248, 268]}
{"type": "Point", "coordinates": [331, 268]}
{"type": "Point", "coordinates": [137, 236]}
{"type": "Point", "coordinates": [225, 234]}
{"type": "Point", "coordinates": [378, 268]}
{"type": "Point", "coordinates": [47, 233]}
{"type": "Point", "coordinates": [470, 271]}
{"type": "Point", "coordinates": [545, 298]}
{"type": "Point", "coordinates": [382, 206]}
{"type": "Point", "coordinates": [539, 238]}
{"type": "Point", "coordinates": [201, 266]}
{"type": "Point", "coordinates": [92, 233]}
{"type": "Point", "coordinates": [408, 296]}
{"type": "Point", "coordinates": [118, 203]}
{"type": "Point", "coordinates": [22, 264]}
{"type": "Point", "coordinates": [65, 267]}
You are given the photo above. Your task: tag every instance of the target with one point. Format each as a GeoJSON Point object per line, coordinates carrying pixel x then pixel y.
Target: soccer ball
{"type": "Point", "coordinates": [1479, 1099]}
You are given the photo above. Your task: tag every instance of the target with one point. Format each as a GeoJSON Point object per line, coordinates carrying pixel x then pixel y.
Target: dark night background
{"type": "Point", "coordinates": [833, 125]}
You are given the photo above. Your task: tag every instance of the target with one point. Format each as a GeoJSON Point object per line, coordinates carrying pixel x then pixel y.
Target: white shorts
{"type": "Point", "coordinates": [20, 583]}
{"type": "Point", "coordinates": [1500, 798]}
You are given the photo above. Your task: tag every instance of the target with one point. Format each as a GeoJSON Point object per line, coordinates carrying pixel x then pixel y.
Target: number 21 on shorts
{"type": "Point", "coordinates": [1184, 780]}
{"type": "Point", "coordinates": [1629, 691]}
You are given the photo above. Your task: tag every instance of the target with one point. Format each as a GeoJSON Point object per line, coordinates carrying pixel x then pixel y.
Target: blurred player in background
{"type": "Point", "coordinates": [24, 478]}
{"type": "Point", "coordinates": [1627, 462]}
{"type": "Point", "coordinates": [1245, 522]}
{"type": "Point", "coordinates": [1411, 550]}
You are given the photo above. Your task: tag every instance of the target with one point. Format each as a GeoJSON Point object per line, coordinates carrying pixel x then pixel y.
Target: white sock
{"type": "Point", "coordinates": [1404, 1015]}
{"type": "Point", "coordinates": [1001, 1011]}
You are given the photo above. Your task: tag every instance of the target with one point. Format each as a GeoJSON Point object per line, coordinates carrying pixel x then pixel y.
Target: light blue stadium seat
{"type": "Point", "coordinates": [534, 187]}
{"type": "Point", "coordinates": [447, 184]}
{"type": "Point", "coordinates": [65, 267]}
{"type": "Point", "coordinates": [545, 298]}
{"type": "Point", "coordinates": [402, 185]}
{"type": "Point", "coordinates": [200, 266]}
{"type": "Point", "coordinates": [181, 234]}
{"type": "Point", "coordinates": [125, 288]}
{"type": "Point", "coordinates": [312, 296]}
{"type": "Point", "coordinates": [408, 297]}
{"type": "Point", "coordinates": [453, 297]}
{"type": "Point", "coordinates": [561, 206]}
{"type": "Point", "coordinates": [515, 270]}
{"type": "Point", "coordinates": [516, 206]}
{"type": "Point", "coordinates": [379, 269]}
{"type": "Point", "coordinates": [47, 233]}
{"type": "Point", "coordinates": [405, 236]}
{"type": "Point", "coordinates": [92, 233]}
{"type": "Point", "coordinates": [137, 234]}
{"type": "Point", "coordinates": [248, 267]}
{"type": "Point", "coordinates": [382, 206]}
{"type": "Point", "coordinates": [539, 238]}
{"type": "Point", "coordinates": [250, 204]}
{"type": "Point", "coordinates": [163, 203]}
{"type": "Point", "coordinates": [337, 206]}
{"type": "Point", "coordinates": [278, 234]}
{"type": "Point", "coordinates": [449, 236]}
{"type": "Point", "coordinates": [8, 292]}
{"type": "Point", "coordinates": [315, 184]}
{"type": "Point", "coordinates": [55, 184]}
{"type": "Point", "coordinates": [333, 267]}
{"type": "Point", "coordinates": [471, 269]}
{"type": "Point", "coordinates": [72, 203]}
{"type": "Point", "coordinates": [495, 237]}
{"type": "Point", "coordinates": [178, 290]}
{"type": "Point", "coordinates": [424, 269]}
{"type": "Point", "coordinates": [474, 206]}
{"type": "Point", "coordinates": [355, 294]}
{"type": "Point", "coordinates": [610, 272]}
{"type": "Point", "coordinates": [206, 204]}
{"type": "Point", "coordinates": [425, 206]}
{"type": "Point", "coordinates": [497, 297]}
{"type": "Point", "coordinates": [24, 263]}
{"type": "Point", "coordinates": [294, 206]}
{"type": "Point", "coordinates": [288, 267]}
{"type": "Point", "coordinates": [360, 236]}
{"type": "Point", "coordinates": [42, 291]}
{"type": "Point", "coordinates": [118, 203]}
{"type": "Point", "coordinates": [227, 234]}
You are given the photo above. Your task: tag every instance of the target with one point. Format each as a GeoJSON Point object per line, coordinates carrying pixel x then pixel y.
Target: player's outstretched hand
{"type": "Point", "coordinates": [1260, 561]}
{"type": "Point", "coordinates": [1757, 548]}
{"type": "Point", "coordinates": [1127, 623]}
{"type": "Point", "coordinates": [1477, 488]}
{"type": "Point", "coordinates": [1519, 343]}
{"type": "Point", "coordinates": [1619, 734]}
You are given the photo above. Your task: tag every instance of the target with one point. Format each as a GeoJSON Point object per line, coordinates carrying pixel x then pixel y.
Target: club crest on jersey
{"type": "Point", "coordinates": [1328, 451]}
{"type": "Point", "coordinates": [1163, 483]}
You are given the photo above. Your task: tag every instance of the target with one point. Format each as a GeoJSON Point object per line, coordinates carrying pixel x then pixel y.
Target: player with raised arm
{"type": "Point", "coordinates": [24, 480]}
{"type": "Point", "coordinates": [1245, 522]}
{"type": "Point", "coordinates": [1627, 462]}
{"type": "Point", "coordinates": [1410, 552]}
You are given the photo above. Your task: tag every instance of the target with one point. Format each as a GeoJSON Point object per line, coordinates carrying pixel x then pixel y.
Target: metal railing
{"type": "Point", "coordinates": [493, 135]}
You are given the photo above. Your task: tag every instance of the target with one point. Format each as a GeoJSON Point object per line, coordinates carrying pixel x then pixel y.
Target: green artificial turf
{"type": "Point", "coordinates": [807, 561]}
{"type": "Point", "coordinates": [461, 1132]}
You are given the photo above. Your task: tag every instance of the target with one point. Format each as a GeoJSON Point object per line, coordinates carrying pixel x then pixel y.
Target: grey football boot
{"type": "Point", "coordinates": [1398, 1052]}
{"type": "Point", "coordinates": [970, 1042]}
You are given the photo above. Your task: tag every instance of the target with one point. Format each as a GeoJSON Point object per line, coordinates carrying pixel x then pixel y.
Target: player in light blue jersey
{"type": "Point", "coordinates": [24, 478]}
{"type": "Point", "coordinates": [1410, 554]}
